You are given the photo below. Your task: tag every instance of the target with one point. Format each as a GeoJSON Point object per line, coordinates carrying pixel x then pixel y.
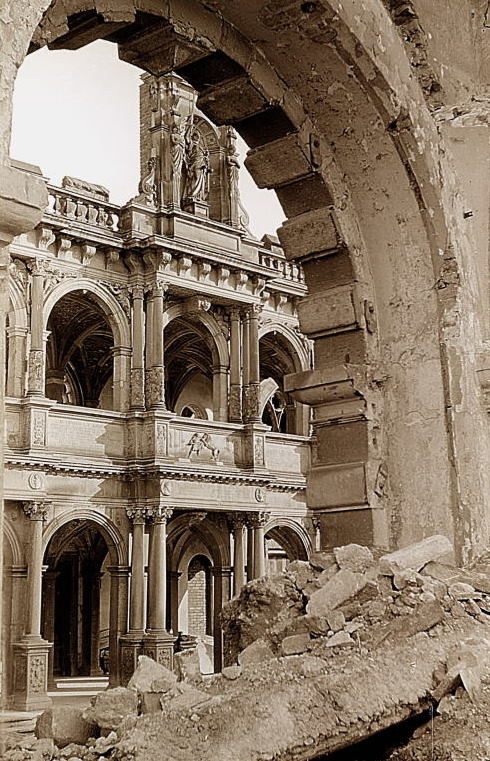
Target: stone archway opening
{"type": "Point", "coordinates": [279, 409]}
{"type": "Point", "coordinates": [76, 600]}
{"type": "Point", "coordinates": [79, 353]}
{"type": "Point", "coordinates": [283, 544]}
{"type": "Point", "coordinates": [188, 368]}
{"type": "Point", "coordinates": [200, 594]}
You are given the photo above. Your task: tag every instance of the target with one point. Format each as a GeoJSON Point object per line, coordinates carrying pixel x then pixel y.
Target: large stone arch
{"type": "Point", "coordinates": [116, 544]}
{"type": "Point", "coordinates": [219, 345]}
{"type": "Point", "coordinates": [374, 240]}
{"type": "Point", "coordinates": [213, 535]}
{"type": "Point", "coordinates": [291, 535]}
{"type": "Point", "coordinates": [299, 351]}
{"type": "Point", "coordinates": [108, 303]}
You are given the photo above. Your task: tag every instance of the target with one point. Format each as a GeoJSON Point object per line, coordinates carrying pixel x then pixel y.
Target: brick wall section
{"type": "Point", "coordinates": [197, 597]}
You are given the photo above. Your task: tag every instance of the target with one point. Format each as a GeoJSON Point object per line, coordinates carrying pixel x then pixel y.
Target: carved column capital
{"type": "Point", "coordinates": [36, 510]}
{"type": "Point", "coordinates": [234, 313]}
{"type": "Point", "coordinates": [237, 521]}
{"type": "Point", "coordinates": [136, 514]}
{"type": "Point", "coordinates": [159, 513]}
{"type": "Point", "coordinates": [258, 520]}
{"type": "Point", "coordinates": [137, 291]}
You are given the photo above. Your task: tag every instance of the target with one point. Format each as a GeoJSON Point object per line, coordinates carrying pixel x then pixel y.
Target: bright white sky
{"type": "Point", "coordinates": [76, 113]}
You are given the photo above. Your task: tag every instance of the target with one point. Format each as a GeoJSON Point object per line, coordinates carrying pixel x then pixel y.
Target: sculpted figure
{"type": "Point", "coordinates": [197, 163]}
{"type": "Point", "coordinates": [177, 149]}
{"type": "Point", "coordinates": [148, 187]}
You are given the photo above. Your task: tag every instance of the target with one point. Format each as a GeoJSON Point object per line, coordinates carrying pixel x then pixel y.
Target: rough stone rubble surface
{"type": "Point", "coordinates": [325, 655]}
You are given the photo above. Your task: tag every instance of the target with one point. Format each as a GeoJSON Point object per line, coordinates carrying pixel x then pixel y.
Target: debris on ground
{"type": "Point", "coordinates": [330, 652]}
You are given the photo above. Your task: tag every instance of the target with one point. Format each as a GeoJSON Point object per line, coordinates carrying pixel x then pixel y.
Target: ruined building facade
{"type": "Point", "coordinates": [370, 121]}
{"type": "Point", "coordinates": [152, 455]}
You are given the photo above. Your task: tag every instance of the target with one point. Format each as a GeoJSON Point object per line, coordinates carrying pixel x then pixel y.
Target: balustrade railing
{"type": "Point", "coordinates": [286, 270]}
{"type": "Point", "coordinates": [79, 208]}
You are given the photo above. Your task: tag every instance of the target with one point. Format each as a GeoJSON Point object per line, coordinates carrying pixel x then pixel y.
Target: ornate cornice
{"type": "Point", "coordinates": [268, 482]}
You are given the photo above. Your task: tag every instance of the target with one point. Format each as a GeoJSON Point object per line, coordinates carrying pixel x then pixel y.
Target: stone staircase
{"type": "Point", "coordinates": [74, 691]}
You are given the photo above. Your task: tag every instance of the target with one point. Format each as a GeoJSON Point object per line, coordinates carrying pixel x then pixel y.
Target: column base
{"type": "Point", "coordinates": [130, 647]}
{"type": "Point", "coordinates": [159, 645]}
{"type": "Point", "coordinates": [31, 656]}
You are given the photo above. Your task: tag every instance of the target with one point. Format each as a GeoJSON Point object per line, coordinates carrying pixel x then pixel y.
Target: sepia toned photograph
{"type": "Point", "coordinates": [245, 380]}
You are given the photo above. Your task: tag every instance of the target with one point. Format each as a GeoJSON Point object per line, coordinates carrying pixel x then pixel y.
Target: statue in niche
{"type": "Point", "coordinates": [197, 165]}
{"type": "Point", "coordinates": [148, 186]}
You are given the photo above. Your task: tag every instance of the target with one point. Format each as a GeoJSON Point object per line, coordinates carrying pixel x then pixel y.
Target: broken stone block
{"type": "Point", "coordinates": [340, 639]}
{"type": "Point", "coordinates": [182, 697]}
{"type": "Point", "coordinates": [461, 591]}
{"type": "Point", "coordinates": [150, 702]}
{"type": "Point", "coordinates": [407, 577]}
{"type": "Point", "coordinates": [322, 560]}
{"type": "Point", "coordinates": [262, 604]}
{"type": "Point", "coordinates": [421, 619]}
{"type": "Point", "coordinates": [344, 585]}
{"type": "Point", "coordinates": [188, 664]}
{"type": "Point", "coordinates": [296, 644]}
{"type": "Point", "coordinates": [354, 557]}
{"type": "Point", "coordinates": [65, 725]}
{"type": "Point", "coordinates": [301, 573]}
{"type": "Point", "coordinates": [150, 676]}
{"type": "Point", "coordinates": [336, 620]}
{"type": "Point", "coordinates": [326, 575]}
{"type": "Point", "coordinates": [435, 587]}
{"type": "Point", "coordinates": [257, 652]}
{"type": "Point", "coordinates": [415, 556]}
{"type": "Point", "coordinates": [232, 672]}
{"type": "Point", "coordinates": [110, 707]}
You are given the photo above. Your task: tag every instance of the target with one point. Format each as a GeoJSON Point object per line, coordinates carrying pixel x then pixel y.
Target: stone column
{"type": "Point", "coordinates": [31, 654]}
{"type": "Point", "coordinates": [158, 643]}
{"type": "Point", "coordinates": [252, 411]}
{"type": "Point", "coordinates": [138, 343]}
{"type": "Point", "coordinates": [131, 644]}
{"type": "Point", "coordinates": [222, 587]}
{"type": "Point", "coordinates": [238, 522]}
{"type": "Point", "coordinates": [259, 522]}
{"type": "Point", "coordinates": [35, 383]}
{"type": "Point", "coordinates": [245, 360]}
{"type": "Point", "coordinates": [95, 669]}
{"type": "Point", "coordinates": [250, 550]}
{"type": "Point", "coordinates": [118, 619]}
{"type": "Point", "coordinates": [174, 602]}
{"type": "Point", "coordinates": [220, 392]}
{"type": "Point", "coordinates": [121, 377]}
{"type": "Point", "coordinates": [16, 361]}
{"type": "Point", "coordinates": [155, 375]}
{"type": "Point", "coordinates": [49, 612]}
{"type": "Point", "coordinates": [23, 199]}
{"type": "Point", "coordinates": [235, 404]}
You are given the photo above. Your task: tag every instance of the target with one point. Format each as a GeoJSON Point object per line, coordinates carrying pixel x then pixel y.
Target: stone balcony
{"type": "Point", "coordinates": [100, 443]}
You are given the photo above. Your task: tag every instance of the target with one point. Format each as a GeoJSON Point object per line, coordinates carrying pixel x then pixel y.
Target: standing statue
{"type": "Point", "coordinates": [177, 149]}
{"type": "Point", "coordinates": [197, 164]}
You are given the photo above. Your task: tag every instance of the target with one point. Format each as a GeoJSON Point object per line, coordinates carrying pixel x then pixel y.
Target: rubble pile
{"type": "Point", "coordinates": [329, 653]}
